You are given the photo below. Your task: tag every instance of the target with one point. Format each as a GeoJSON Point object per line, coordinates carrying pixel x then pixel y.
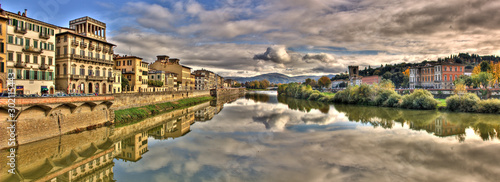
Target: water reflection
{"type": "Point", "coordinates": [440, 124]}
{"type": "Point", "coordinates": [270, 138]}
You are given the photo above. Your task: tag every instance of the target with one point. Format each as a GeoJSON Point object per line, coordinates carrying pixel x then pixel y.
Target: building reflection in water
{"type": "Point", "coordinates": [134, 147]}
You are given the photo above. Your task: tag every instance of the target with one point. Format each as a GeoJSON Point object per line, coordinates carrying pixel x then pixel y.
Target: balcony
{"type": "Point", "coordinates": [96, 78]}
{"type": "Point", "coordinates": [44, 36]}
{"type": "Point", "coordinates": [105, 50]}
{"type": "Point", "coordinates": [20, 30]}
{"type": "Point", "coordinates": [111, 79]}
{"type": "Point", "coordinates": [77, 77]}
{"type": "Point", "coordinates": [83, 45]}
{"type": "Point", "coordinates": [91, 46]}
{"type": "Point", "coordinates": [32, 49]}
{"type": "Point", "coordinates": [20, 64]}
{"type": "Point", "coordinates": [44, 67]}
{"type": "Point", "coordinates": [99, 48]}
{"type": "Point", "coordinates": [74, 43]}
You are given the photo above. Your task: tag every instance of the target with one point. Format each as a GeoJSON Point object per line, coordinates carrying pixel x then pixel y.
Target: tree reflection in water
{"type": "Point", "coordinates": [441, 124]}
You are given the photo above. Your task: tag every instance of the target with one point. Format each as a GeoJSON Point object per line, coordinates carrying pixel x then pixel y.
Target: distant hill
{"type": "Point", "coordinates": [277, 78]}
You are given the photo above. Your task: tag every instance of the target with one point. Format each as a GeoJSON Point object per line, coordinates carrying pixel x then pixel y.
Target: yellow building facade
{"type": "Point", "coordinates": [134, 70]}
{"type": "Point", "coordinates": [164, 63]}
{"type": "Point", "coordinates": [3, 58]}
{"type": "Point", "coordinates": [31, 53]}
{"type": "Point", "coordinates": [84, 59]}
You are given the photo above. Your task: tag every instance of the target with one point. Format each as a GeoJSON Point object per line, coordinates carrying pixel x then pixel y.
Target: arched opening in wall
{"type": "Point", "coordinates": [73, 88]}
{"type": "Point", "coordinates": [51, 90]}
{"type": "Point", "coordinates": [110, 88]}
{"type": "Point", "coordinates": [1, 84]}
{"type": "Point", "coordinates": [97, 88]}
{"type": "Point", "coordinates": [90, 88]}
{"type": "Point", "coordinates": [81, 87]}
{"type": "Point", "coordinates": [103, 88]}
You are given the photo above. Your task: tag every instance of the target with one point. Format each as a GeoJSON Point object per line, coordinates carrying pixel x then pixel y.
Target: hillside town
{"type": "Point", "coordinates": [78, 60]}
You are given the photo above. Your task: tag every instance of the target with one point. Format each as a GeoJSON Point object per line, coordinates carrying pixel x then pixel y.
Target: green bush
{"type": "Point", "coordinates": [314, 96]}
{"type": "Point", "coordinates": [393, 100]}
{"type": "Point", "coordinates": [365, 94]}
{"type": "Point", "coordinates": [464, 103]}
{"type": "Point", "coordinates": [489, 106]}
{"type": "Point", "coordinates": [324, 98]}
{"type": "Point", "coordinates": [383, 95]}
{"type": "Point", "coordinates": [419, 99]}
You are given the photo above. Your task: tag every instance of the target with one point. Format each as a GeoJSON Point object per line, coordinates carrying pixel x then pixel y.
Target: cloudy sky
{"type": "Point", "coordinates": [294, 37]}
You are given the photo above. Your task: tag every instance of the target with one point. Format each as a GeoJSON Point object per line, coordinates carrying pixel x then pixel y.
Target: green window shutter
{"type": "Point", "coordinates": [39, 75]}
{"type": "Point", "coordinates": [47, 75]}
{"type": "Point", "coordinates": [41, 45]}
{"type": "Point", "coordinates": [14, 22]}
{"type": "Point", "coordinates": [32, 75]}
{"type": "Point", "coordinates": [25, 73]}
{"type": "Point", "coordinates": [52, 31]}
{"type": "Point", "coordinates": [11, 39]}
{"type": "Point", "coordinates": [22, 41]}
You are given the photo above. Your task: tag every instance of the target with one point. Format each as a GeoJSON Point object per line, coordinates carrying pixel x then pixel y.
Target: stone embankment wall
{"type": "Point", "coordinates": [444, 93]}
{"type": "Point", "coordinates": [227, 92]}
{"type": "Point", "coordinates": [129, 100]}
{"type": "Point", "coordinates": [41, 118]}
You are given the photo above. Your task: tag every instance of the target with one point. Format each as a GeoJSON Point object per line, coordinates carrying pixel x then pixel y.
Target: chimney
{"type": "Point", "coordinates": [25, 12]}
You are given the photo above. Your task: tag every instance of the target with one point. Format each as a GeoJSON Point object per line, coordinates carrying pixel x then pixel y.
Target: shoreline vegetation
{"type": "Point", "coordinates": [383, 94]}
{"type": "Point", "coordinates": [137, 114]}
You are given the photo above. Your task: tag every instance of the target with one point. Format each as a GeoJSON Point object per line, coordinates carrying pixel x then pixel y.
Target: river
{"type": "Point", "coordinates": [262, 137]}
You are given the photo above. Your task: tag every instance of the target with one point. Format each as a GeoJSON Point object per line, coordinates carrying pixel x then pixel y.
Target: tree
{"type": "Point", "coordinates": [264, 84]}
{"type": "Point", "coordinates": [377, 72]}
{"type": "Point", "coordinates": [407, 72]}
{"type": "Point", "coordinates": [484, 78]}
{"type": "Point", "coordinates": [485, 66]}
{"type": "Point", "coordinates": [387, 75]}
{"type": "Point", "coordinates": [324, 81]}
{"type": "Point", "coordinates": [476, 70]}
{"type": "Point", "coordinates": [308, 81]}
{"type": "Point", "coordinates": [125, 84]}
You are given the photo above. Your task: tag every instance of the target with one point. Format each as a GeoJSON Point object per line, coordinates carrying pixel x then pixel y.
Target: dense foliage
{"type": "Point", "coordinates": [261, 84]}
{"type": "Point", "coordinates": [156, 83]}
{"type": "Point", "coordinates": [471, 103]}
{"type": "Point", "coordinates": [382, 94]}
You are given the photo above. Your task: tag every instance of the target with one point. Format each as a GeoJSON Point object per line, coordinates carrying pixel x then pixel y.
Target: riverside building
{"type": "Point", "coordinates": [30, 53]}
{"type": "Point", "coordinates": [84, 59]}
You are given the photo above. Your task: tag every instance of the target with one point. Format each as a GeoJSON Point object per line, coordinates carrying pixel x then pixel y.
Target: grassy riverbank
{"type": "Point", "coordinates": [385, 96]}
{"type": "Point", "coordinates": [138, 113]}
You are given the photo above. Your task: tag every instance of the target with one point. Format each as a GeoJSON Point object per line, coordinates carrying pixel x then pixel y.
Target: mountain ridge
{"type": "Point", "coordinates": [278, 78]}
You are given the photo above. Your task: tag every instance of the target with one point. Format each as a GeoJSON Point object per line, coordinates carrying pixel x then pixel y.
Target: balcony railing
{"type": "Point", "coordinates": [111, 79]}
{"type": "Point", "coordinates": [44, 67]}
{"type": "Point", "coordinates": [20, 30]}
{"type": "Point", "coordinates": [44, 36]}
{"type": "Point", "coordinates": [86, 58]}
{"type": "Point", "coordinates": [91, 46]}
{"type": "Point", "coordinates": [97, 78]}
{"type": "Point", "coordinates": [32, 50]}
{"type": "Point", "coordinates": [20, 64]}
{"type": "Point", "coordinates": [105, 50]}
{"type": "Point", "coordinates": [84, 45]}
{"type": "Point", "coordinates": [99, 48]}
{"type": "Point", "coordinates": [74, 43]}
{"type": "Point", "coordinates": [77, 77]}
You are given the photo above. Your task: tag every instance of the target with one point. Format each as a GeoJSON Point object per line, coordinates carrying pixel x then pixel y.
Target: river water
{"type": "Point", "coordinates": [262, 137]}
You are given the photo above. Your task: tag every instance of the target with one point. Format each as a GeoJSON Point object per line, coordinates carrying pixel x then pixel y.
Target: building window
{"type": "Point", "coordinates": [50, 60]}
{"type": "Point", "coordinates": [65, 69]}
{"type": "Point", "coordinates": [460, 69]}
{"type": "Point", "coordinates": [65, 50]}
{"type": "Point", "coordinates": [90, 71]}
{"type": "Point", "coordinates": [19, 57]}
{"type": "Point", "coordinates": [82, 70]}
{"type": "Point", "coordinates": [72, 50]}
{"type": "Point", "coordinates": [10, 56]}
{"type": "Point", "coordinates": [27, 58]}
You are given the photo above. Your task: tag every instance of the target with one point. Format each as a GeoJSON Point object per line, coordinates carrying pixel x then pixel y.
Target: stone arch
{"type": "Point", "coordinates": [33, 111]}
{"type": "Point", "coordinates": [103, 88]}
{"type": "Point", "coordinates": [89, 105]}
{"type": "Point", "coordinates": [70, 106]}
{"type": "Point", "coordinates": [4, 113]}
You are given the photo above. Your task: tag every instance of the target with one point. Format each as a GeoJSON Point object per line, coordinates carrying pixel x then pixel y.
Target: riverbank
{"type": "Point", "coordinates": [136, 114]}
{"type": "Point", "coordinates": [385, 96]}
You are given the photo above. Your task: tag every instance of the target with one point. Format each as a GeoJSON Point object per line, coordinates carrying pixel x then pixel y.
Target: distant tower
{"type": "Point", "coordinates": [353, 74]}
{"type": "Point", "coordinates": [89, 27]}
